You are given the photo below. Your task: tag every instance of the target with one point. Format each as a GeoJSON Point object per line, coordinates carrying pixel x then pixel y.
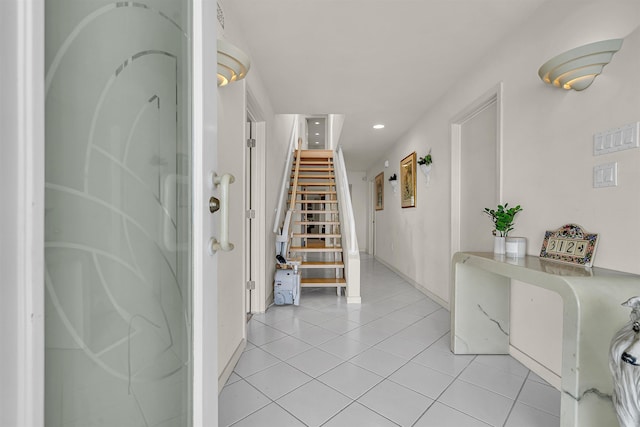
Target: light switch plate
{"type": "Point", "coordinates": [618, 139]}
{"type": "Point", "coordinates": [605, 175]}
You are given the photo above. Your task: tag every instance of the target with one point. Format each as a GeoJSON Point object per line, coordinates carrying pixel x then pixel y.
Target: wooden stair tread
{"type": "Point", "coordinates": [321, 264]}
{"type": "Point", "coordinates": [315, 162]}
{"type": "Point", "coordinates": [310, 154]}
{"type": "Point", "coordinates": [316, 235]}
{"type": "Point", "coordinates": [317, 222]}
{"type": "Point", "coordinates": [311, 169]}
{"type": "Point", "coordinates": [321, 281]}
{"type": "Point", "coordinates": [315, 176]}
{"type": "Point", "coordinates": [326, 212]}
{"type": "Point", "coordinates": [309, 202]}
{"type": "Point", "coordinates": [314, 191]}
{"type": "Point", "coordinates": [314, 249]}
{"type": "Point", "coordinates": [316, 184]}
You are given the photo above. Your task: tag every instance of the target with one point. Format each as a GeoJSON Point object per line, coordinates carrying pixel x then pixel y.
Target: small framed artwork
{"type": "Point", "coordinates": [570, 243]}
{"type": "Point", "coordinates": [380, 191]}
{"type": "Point", "coordinates": [408, 181]}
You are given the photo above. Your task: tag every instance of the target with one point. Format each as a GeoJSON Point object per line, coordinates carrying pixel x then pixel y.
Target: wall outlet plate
{"type": "Point", "coordinates": [605, 175]}
{"type": "Point", "coordinates": [618, 139]}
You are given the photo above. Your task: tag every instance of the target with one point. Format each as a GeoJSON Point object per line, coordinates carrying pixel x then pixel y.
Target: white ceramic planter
{"type": "Point", "coordinates": [499, 245]}
{"type": "Point", "coordinates": [516, 247]}
{"type": "Point", "coordinates": [426, 170]}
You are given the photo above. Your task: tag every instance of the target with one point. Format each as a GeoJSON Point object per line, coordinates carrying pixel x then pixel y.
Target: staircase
{"type": "Point", "coordinates": [316, 239]}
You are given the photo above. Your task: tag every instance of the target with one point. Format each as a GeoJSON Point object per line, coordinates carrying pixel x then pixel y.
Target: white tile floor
{"type": "Point", "coordinates": [383, 363]}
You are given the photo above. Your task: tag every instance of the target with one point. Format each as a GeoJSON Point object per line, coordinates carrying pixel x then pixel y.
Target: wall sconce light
{"type": "Point", "coordinates": [577, 68]}
{"type": "Point", "coordinates": [233, 64]}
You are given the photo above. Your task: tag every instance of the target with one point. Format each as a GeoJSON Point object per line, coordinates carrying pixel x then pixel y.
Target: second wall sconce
{"type": "Point", "coordinates": [577, 68]}
{"type": "Point", "coordinates": [233, 64]}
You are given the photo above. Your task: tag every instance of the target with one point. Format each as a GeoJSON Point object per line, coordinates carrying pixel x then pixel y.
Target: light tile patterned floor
{"type": "Point", "coordinates": [385, 362]}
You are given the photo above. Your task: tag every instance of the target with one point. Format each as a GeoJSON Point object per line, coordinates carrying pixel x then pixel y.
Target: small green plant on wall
{"type": "Point", "coordinates": [426, 160]}
{"type": "Point", "coordinates": [502, 218]}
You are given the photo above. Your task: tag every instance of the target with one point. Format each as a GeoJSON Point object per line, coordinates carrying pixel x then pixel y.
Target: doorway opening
{"type": "Point", "coordinates": [476, 170]}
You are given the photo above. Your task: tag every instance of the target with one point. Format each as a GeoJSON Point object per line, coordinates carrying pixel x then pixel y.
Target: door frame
{"type": "Point", "coordinates": [204, 101]}
{"type": "Point", "coordinates": [22, 315]}
{"type": "Point", "coordinates": [22, 228]}
{"type": "Point", "coordinates": [259, 238]}
{"type": "Point", "coordinates": [492, 95]}
{"type": "Point", "coordinates": [371, 226]}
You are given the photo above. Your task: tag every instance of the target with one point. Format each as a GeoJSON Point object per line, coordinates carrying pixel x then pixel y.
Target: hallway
{"type": "Point", "coordinates": [383, 363]}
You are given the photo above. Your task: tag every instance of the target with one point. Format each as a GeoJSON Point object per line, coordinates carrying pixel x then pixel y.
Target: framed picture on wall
{"type": "Point", "coordinates": [408, 181]}
{"type": "Point", "coordinates": [380, 191]}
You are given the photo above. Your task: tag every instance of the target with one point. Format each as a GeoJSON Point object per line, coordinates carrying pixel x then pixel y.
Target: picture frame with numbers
{"type": "Point", "coordinates": [571, 244]}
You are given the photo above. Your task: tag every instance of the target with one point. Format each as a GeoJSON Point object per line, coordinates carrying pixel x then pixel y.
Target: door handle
{"type": "Point", "coordinates": [222, 205]}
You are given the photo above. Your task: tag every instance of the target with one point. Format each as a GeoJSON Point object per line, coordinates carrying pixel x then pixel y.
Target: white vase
{"type": "Point", "coordinates": [499, 245]}
{"type": "Point", "coordinates": [426, 170]}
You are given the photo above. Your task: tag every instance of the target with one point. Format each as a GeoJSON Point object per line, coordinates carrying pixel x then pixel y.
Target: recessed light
{"type": "Point", "coordinates": [317, 123]}
{"type": "Point", "coordinates": [317, 142]}
{"type": "Point", "coordinates": [317, 134]}
{"type": "Point", "coordinates": [378, 126]}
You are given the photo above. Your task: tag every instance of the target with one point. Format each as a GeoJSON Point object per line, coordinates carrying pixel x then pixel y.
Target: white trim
{"type": "Point", "coordinates": [259, 297]}
{"type": "Point", "coordinates": [23, 198]}
{"type": "Point", "coordinates": [371, 199]}
{"type": "Point", "coordinates": [204, 297]}
{"type": "Point", "coordinates": [493, 95]}
{"type": "Point", "coordinates": [231, 364]}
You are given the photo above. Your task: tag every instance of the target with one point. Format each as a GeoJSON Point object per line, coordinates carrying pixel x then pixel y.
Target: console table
{"type": "Point", "coordinates": [592, 299]}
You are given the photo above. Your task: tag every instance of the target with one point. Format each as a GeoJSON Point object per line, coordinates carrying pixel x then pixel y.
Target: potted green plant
{"type": "Point", "coordinates": [502, 218]}
{"type": "Point", "coordinates": [425, 165]}
{"type": "Point", "coordinates": [426, 160]}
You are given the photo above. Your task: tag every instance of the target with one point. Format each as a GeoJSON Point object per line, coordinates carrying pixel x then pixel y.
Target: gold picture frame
{"type": "Point", "coordinates": [380, 191]}
{"type": "Point", "coordinates": [408, 181]}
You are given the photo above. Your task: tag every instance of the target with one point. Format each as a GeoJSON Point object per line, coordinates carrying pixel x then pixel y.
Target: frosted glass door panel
{"type": "Point", "coordinates": [117, 217]}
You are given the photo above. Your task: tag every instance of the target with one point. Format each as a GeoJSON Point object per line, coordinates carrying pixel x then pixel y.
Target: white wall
{"type": "Point", "coordinates": [547, 137]}
{"type": "Point", "coordinates": [359, 200]}
{"type": "Point", "coordinates": [231, 151]}
{"type": "Point", "coordinates": [278, 129]}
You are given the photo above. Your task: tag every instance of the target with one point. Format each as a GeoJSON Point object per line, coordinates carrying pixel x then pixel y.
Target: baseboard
{"type": "Point", "coordinates": [415, 284]}
{"type": "Point", "coordinates": [541, 370]}
{"type": "Point", "coordinates": [231, 364]}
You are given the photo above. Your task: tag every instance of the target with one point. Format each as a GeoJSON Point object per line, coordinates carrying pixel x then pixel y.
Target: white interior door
{"type": "Point", "coordinates": [84, 331]}
{"type": "Point", "coordinates": [129, 321]}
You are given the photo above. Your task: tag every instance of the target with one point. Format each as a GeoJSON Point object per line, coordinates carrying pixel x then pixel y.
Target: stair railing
{"type": "Point", "coordinates": [342, 186]}
{"type": "Point", "coordinates": [348, 231]}
{"type": "Point", "coordinates": [283, 231]}
{"type": "Point", "coordinates": [284, 185]}
{"type": "Point", "coordinates": [294, 190]}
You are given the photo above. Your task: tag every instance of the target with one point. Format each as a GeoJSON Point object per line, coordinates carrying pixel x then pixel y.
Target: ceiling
{"type": "Point", "coordinates": [375, 61]}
